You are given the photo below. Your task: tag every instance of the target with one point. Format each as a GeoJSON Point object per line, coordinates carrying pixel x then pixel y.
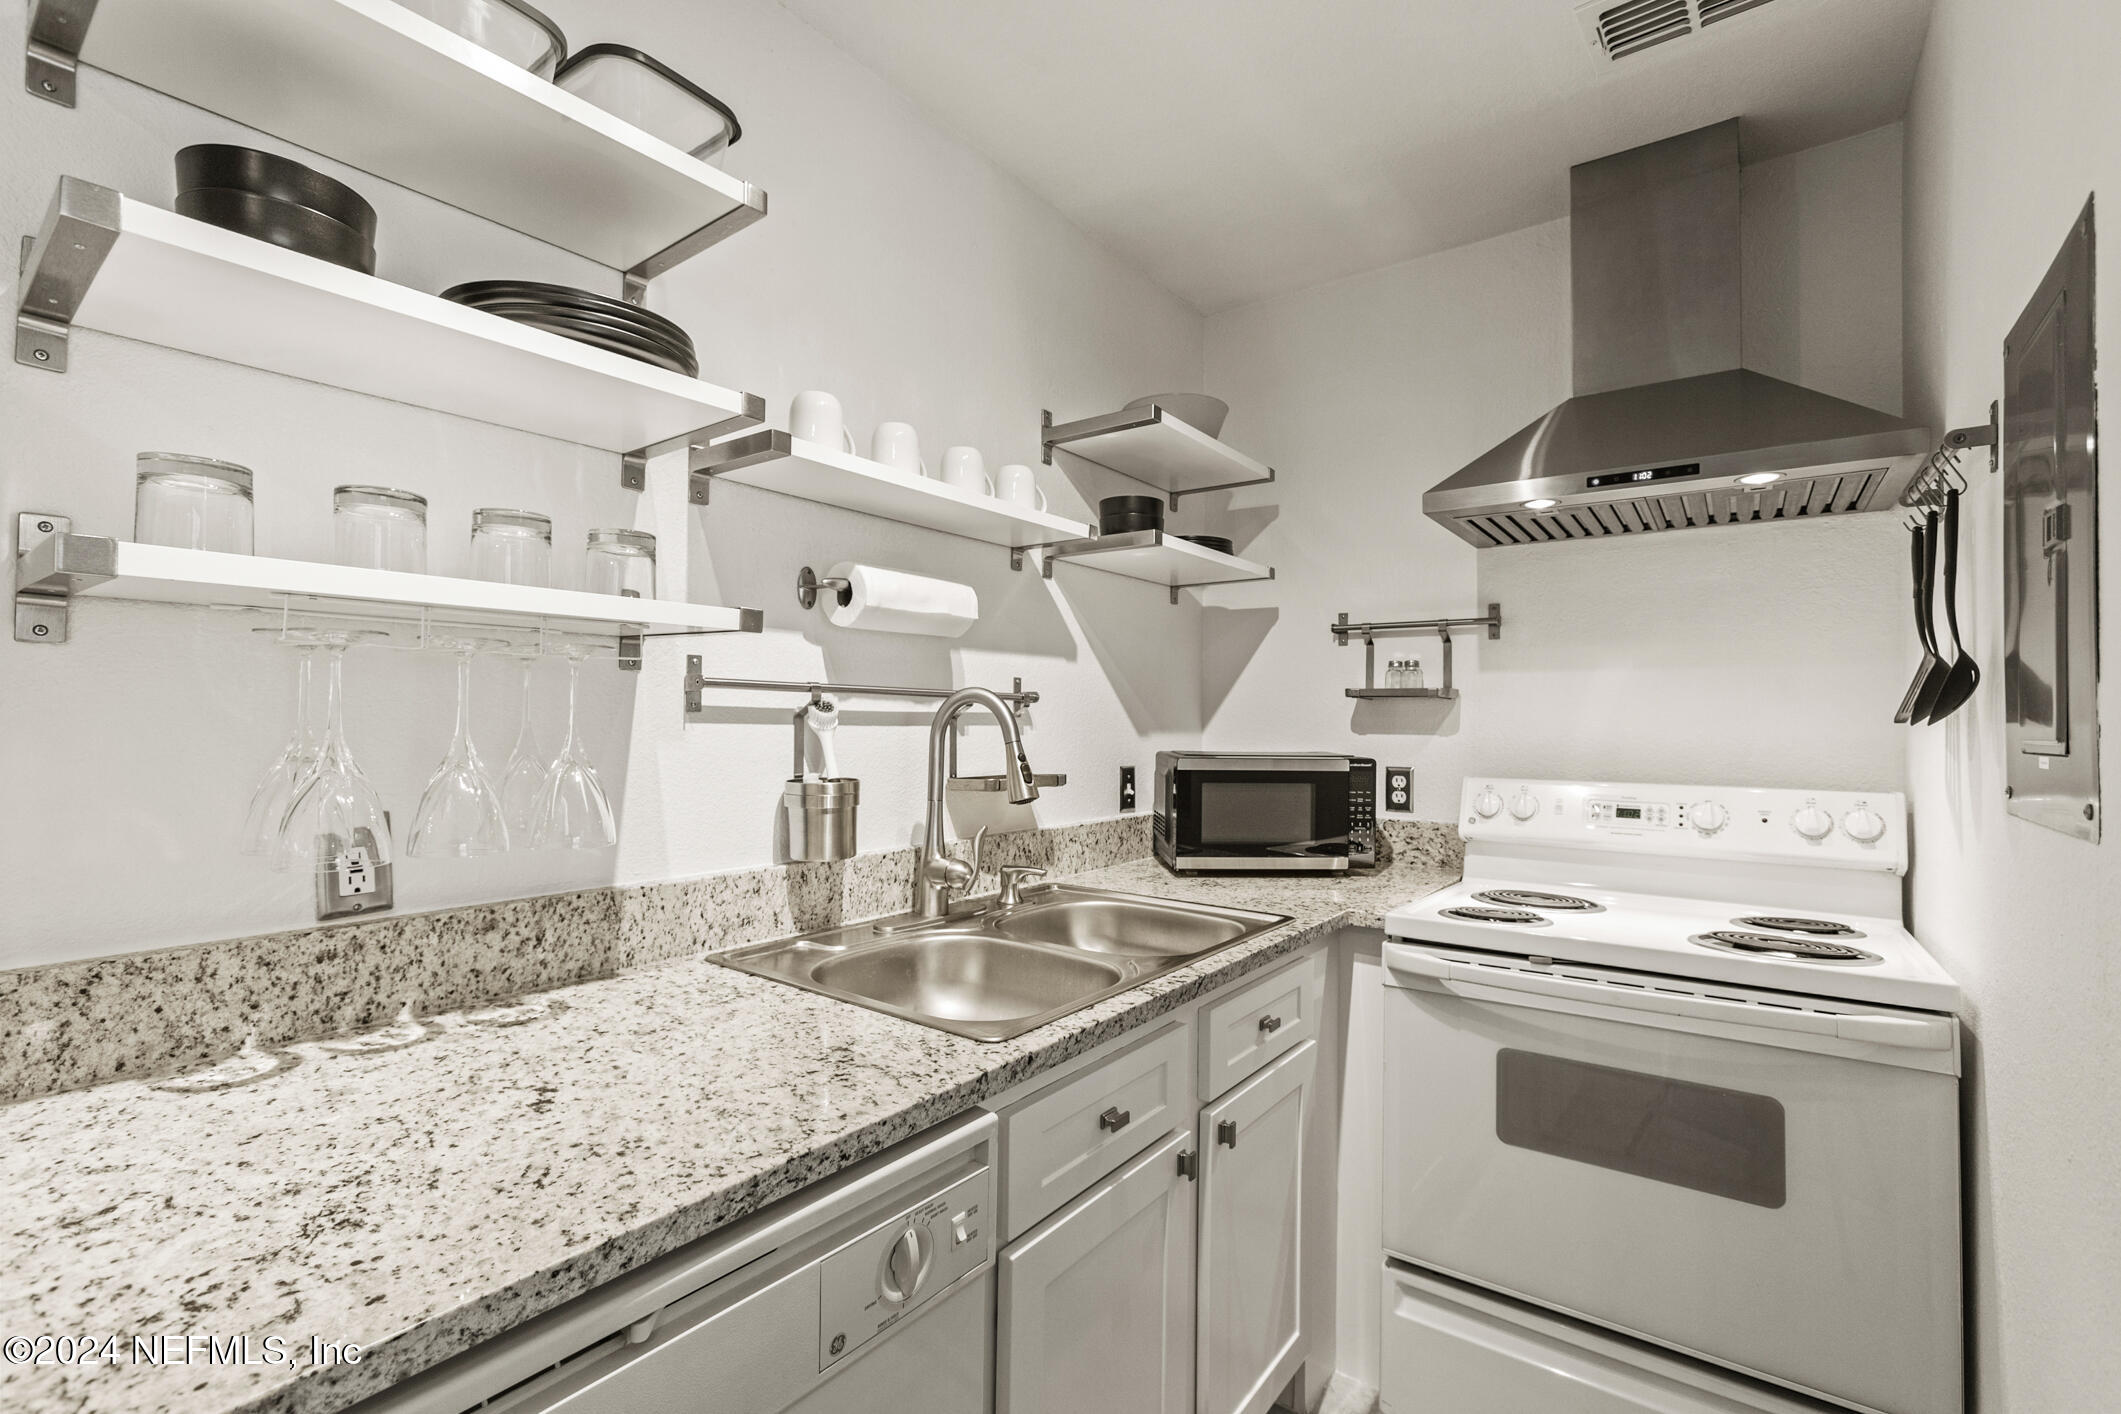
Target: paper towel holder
{"type": "Point", "coordinates": [807, 584]}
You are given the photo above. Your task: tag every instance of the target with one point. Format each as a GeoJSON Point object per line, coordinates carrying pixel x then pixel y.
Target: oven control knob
{"type": "Point", "coordinates": [1524, 805]}
{"type": "Point", "coordinates": [1487, 804]}
{"type": "Point", "coordinates": [1707, 817]}
{"type": "Point", "coordinates": [1812, 822]}
{"type": "Point", "coordinates": [1864, 825]}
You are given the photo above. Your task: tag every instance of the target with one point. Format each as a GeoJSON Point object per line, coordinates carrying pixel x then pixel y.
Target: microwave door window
{"type": "Point", "coordinates": [1260, 817]}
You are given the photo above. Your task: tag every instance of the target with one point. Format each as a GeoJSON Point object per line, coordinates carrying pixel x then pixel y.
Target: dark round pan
{"type": "Point", "coordinates": [1117, 515]}
{"type": "Point", "coordinates": [581, 319]}
{"type": "Point", "coordinates": [214, 164]}
{"type": "Point", "coordinates": [480, 292]}
{"type": "Point", "coordinates": [622, 340]}
{"type": "Point", "coordinates": [297, 228]}
{"type": "Point", "coordinates": [1220, 543]}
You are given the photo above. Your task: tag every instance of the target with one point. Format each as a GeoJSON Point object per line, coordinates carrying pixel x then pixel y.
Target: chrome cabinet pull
{"type": "Point", "coordinates": [1268, 1025]}
{"type": "Point", "coordinates": [1115, 1119]}
{"type": "Point", "coordinates": [1226, 1133]}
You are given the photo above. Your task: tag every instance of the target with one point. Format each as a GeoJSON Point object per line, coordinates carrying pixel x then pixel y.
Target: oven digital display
{"type": "Point", "coordinates": [1627, 812]}
{"type": "Point", "coordinates": [1630, 478]}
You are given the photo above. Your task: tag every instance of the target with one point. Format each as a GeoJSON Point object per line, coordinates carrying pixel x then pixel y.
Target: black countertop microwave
{"type": "Point", "coordinates": [1242, 812]}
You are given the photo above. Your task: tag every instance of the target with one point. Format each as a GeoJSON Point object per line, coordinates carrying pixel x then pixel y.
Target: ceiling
{"type": "Point", "coordinates": [1238, 150]}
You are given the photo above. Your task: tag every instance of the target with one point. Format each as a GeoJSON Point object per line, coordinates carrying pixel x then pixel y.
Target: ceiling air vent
{"type": "Point", "coordinates": [1631, 26]}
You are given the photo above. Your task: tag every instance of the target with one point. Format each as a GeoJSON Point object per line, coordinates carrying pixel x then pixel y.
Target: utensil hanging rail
{"type": "Point", "coordinates": [1369, 632]}
{"type": "Point", "coordinates": [696, 683]}
{"type": "Point", "coordinates": [1929, 483]}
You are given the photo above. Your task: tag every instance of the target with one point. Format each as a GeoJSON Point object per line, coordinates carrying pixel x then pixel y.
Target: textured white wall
{"type": "Point", "coordinates": [1750, 656]}
{"type": "Point", "coordinates": [896, 267]}
{"type": "Point", "coordinates": [2015, 120]}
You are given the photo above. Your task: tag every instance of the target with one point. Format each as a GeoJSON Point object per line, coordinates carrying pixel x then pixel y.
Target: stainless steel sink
{"type": "Point", "coordinates": [990, 973]}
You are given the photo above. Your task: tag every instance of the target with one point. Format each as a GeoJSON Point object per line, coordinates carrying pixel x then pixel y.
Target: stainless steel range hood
{"type": "Point", "coordinates": [1668, 429]}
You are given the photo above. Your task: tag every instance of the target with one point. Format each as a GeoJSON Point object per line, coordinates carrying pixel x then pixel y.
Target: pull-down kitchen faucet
{"type": "Point", "coordinates": [937, 872]}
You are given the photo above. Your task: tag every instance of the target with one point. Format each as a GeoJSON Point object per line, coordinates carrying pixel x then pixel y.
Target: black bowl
{"type": "Point", "coordinates": [1219, 543]}
{"type": "Point", "coordinates": [215, 164]}
{"type": "Point", "coordinates": [1117, 515]}
{"type": "Point", "coordinates": [283, 223]}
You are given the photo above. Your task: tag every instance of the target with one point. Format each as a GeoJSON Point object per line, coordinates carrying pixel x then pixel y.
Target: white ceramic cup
{"type": "Point", "coordinates": [815, 416]}
{"type": "Point", "coordinates": [898, 446]}
{"type": "Point", "coordinates": [1016, 482]}
{"type": "Point", "coordinates": [966, 469]}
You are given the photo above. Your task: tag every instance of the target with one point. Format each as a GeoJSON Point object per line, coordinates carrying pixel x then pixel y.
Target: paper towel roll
{"type": "Point", "coordinates": [892, 601]}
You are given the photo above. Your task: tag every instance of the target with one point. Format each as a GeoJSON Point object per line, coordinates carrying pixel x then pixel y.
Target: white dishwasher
{"type": "Point", "coordinates": [869, 1291]}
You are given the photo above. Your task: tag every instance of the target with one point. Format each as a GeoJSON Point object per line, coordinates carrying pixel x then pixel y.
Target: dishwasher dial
{"type": "Point", "coordinates": [906, 1264]}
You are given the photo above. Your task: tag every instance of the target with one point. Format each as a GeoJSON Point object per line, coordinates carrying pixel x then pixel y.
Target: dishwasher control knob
{"type": "Point", "coordinates": [1488, 804]}
{"type": "Point", "coordinates": [906, 1264]}
{"type": "Point", "coordinates": [1812, 822]}
{"type": "Point", "coordinates": [1524, 805]}
{"type": "Point", "coordinates": [1707, 817]}
{"type": "Point", "coordinates": [1864, 825]}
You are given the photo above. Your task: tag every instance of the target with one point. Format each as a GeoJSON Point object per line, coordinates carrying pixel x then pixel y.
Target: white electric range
{"type": "Point", "coordinates": [1666, 1073]}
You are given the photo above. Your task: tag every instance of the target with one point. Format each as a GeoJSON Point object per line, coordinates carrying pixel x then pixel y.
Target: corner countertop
{"type": "Point", "coordinates": [415, 1202]}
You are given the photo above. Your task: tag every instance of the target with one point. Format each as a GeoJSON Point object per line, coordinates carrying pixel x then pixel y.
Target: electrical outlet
{"type": "Point", "coordinates": [1126, 788]}
{"type": "Point", "coordinates": [353, 883]}
{"type": "Point", "coordinates": [1399, 789]}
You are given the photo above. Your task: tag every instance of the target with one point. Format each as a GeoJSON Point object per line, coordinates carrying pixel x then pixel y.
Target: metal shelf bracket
{"type": "Point", "coordinates": [52, 57]}
{"type": "Point", "coordinates": [59, 264]}
{"type": "Point", "coordinates": [633, 465]}
{"type": "Point", "coordinates": [51, 562]}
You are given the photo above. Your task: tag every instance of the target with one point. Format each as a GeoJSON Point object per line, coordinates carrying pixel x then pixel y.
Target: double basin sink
{"type": "Point", "coordinates": [1000, 972]}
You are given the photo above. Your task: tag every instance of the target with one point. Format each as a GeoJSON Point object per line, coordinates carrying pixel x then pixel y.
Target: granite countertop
{"type": "Point", "coordinates": [416, 1201]}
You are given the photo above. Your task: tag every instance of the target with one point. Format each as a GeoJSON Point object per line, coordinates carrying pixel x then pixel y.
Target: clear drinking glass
{"type": "Point", "coordinates": [523, 778]}
{"type": "Point", "coordinates": [620, 562]}
{"type": "Point", "coordinates": [572, 811]}
{"type": "Point", "coordinates": [460, 814]}
{"type": "Point", "coordinates": [377, 528]}
{"type": "Point", "coordinates": [336, 811]}
{"type": "Point", "coordinates": [276, 789]}
{"type": "Point", "coordinates": [510, 546]}
{"type": "Point", "coordinates": [195, 503]}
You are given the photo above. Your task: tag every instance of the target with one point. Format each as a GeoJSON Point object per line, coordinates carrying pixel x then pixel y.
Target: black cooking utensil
{"type": "Point", "coordinates": [1964, 674]}
{"type": "Point", "coordinates": [1922, 558]}
{"type": "Point", "coordinates": [1939, 669]}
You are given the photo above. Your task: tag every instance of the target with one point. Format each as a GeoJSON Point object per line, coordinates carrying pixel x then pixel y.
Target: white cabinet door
{"type": "Point", "coordinates": [1251, 1237]}
{"type": "Point", "coordinates": [1096, 1306]}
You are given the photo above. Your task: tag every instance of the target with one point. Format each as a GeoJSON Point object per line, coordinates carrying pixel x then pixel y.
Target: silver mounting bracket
{"type": "Point", "coordinates": [629, 652]}
{"type": "Point", "coordinates": [633, 288]}
{"type": "Point", "coordinates": [58, 265]}
{"type": "Point", "coordinates": [1045, 444]}
{"type": "Point", "coordinates": [1016, 557]}
{"type": "Point", "coordinates": [53, 54]}
{"type": "Point", "coordinates": [720, 229]}
{"type": "Point", "coordinates": [633, 465]}
{"type": "Point", "coordinates": [51, 562]}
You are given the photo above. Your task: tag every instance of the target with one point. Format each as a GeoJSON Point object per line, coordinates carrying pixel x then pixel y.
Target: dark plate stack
{"type": "Point", "coordinates": [277, 199]}
{"type": "Point", "coordinates": [1218, 543]}
{"type": "Point", "coordinates": [587, 318]}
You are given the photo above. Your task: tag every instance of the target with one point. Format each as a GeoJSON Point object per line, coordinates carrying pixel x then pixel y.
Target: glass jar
{"type": "Point", "coordinates": [377, 528]}
{"type": "Point", "coordinates": [620, 562]}
{"type": "Point", "coordinates": [1414, 674]}
{"type": "Point", "coordinates": [195, 503]}
{"type": "Point", "coordinates": [511, 546]}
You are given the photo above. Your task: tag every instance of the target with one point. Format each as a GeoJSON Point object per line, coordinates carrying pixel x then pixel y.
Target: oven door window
{"type": "Point", "coordinates": [1726, 1142]}
{"type": "Point", "coordinates": [1263, 815]}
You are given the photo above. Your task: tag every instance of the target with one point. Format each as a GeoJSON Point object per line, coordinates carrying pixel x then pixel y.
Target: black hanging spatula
{"type": "Point", "coordinates": [1922, 551]}
{"type": "Point", "coordinates": [1963, 674]}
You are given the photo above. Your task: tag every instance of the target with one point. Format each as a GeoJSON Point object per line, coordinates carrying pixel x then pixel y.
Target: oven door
{"type": "Point", "coordinates": [1265, 812]}
{"type": "Point", "coordinates": [1764, 1180]}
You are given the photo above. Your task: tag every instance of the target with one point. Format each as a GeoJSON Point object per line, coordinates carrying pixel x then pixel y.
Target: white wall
{"type": "Point", "coordinates": [2016, 119]}
{"type": "Point", "coordinates": [1749, 656]}
{"type": "Point", "coordinates": [896, 267]}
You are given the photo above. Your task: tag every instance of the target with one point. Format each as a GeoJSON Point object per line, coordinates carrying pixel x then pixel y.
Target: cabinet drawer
{"type": "Point", "coordinates": [1070, 1135]}
{"type": "Point", "coordinates": [1259, 1021]}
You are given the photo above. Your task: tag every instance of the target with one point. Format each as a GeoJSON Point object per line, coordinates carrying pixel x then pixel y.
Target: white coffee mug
{"type": "Point", "coordinates": [1017, 483]}
{"type": "Point", "coordinates": [898, 446]}
{"type": "Point", "coordinates": [815, 416]}
{"type": "Point", "coordinates": [966, 469]}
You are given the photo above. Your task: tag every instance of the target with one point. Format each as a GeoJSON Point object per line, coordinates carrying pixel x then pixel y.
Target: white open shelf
{"type": "Point", "coordinates": [1153, 556]}
{"type": "Point", "coordinates": [374, 85]}
{"type": "Point", "coordinates": [166, 279]}
{"type": "Point", "coordinates": [62, 565]}
{"type": "Point", "coordinates": [775, 461]}
{"type": "Point", "coordinates": [1155, 448]}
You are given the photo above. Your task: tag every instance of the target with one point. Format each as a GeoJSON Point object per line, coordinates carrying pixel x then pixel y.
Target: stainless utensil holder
{"type": "Point", "coordinates": [821, 818]}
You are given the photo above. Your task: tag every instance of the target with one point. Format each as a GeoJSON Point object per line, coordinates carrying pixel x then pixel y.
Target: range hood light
{"type": "Point", "coordinates": [1542, 503]}
{"type": "Point", "coordinates": [1759, 478]}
